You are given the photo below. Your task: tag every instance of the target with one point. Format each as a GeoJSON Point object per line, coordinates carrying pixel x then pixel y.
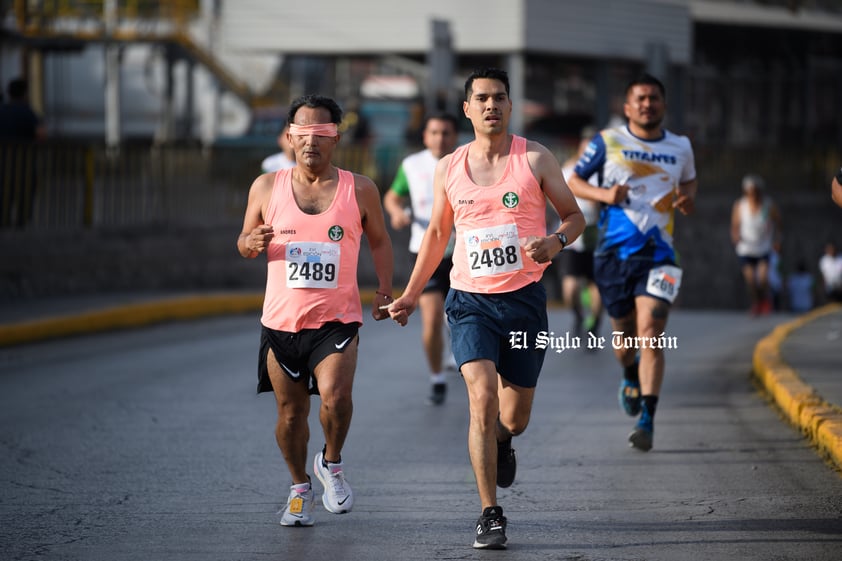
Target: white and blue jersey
{"type": "Point", "coordinates": [652, 169]}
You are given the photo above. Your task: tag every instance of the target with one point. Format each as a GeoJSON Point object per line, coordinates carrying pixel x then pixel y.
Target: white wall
{"type": "Point", "coordinates": [370, 26]}
{"type": "Point", "coordinates": [612, 28]}
{"type": "Point", "coordinates": [619, 29]}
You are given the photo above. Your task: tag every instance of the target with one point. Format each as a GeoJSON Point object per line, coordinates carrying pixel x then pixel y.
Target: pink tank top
{"type": "Point", "coordinates": [312, 260]}
{"type": "Point", "coordinates": [493, 222]}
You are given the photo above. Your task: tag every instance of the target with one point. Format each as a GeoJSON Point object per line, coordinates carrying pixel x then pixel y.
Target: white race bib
{"type": "Point", "coordinates": [312, 264]}
{"type": "Point", "coordinates": [664, 282]}
{"type": "Point", "coordinates": [493, 250]}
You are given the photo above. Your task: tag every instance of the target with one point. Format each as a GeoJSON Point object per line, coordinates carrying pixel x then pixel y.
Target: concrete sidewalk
{"type": "Point", "coordinates": [798, 364]}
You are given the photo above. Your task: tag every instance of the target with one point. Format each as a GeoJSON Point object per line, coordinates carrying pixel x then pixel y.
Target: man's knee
{"type": "Point", "coordinates": [513, 422]}
{"type": "Point", "coordinates": [485, 400]}
{"type": "Point", "coordinates": [336, 397]}
{"type": "Point", "coordinates": [484, 408]}
{"type": "Point", "coordinates": [291, 414]}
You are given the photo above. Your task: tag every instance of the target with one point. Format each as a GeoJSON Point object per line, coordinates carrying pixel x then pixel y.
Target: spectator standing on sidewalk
{"type": "Point", "coordinates": [830, 266]}
{"type": "Point", "coordinates": [20, 128]}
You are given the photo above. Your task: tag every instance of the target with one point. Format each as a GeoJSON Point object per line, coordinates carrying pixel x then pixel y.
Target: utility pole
{"type": "Point", "coordinates": [439, 94]}
{"type": "Point", "coordinates": [112, 78]}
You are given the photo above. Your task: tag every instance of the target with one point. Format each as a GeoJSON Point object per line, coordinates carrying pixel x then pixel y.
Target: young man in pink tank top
{"type": "Point", "coordinates": [493, 190]}
{"type": "Point", "coordinates": [309, 221]}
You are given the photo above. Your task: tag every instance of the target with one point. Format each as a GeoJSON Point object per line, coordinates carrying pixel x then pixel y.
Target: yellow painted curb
{"type": "Point", "coordinates": [128, 315]}
{"type": "Point", "coordinates": [136, 315]}
{"type": "Point", "coordinates": [821, 422]}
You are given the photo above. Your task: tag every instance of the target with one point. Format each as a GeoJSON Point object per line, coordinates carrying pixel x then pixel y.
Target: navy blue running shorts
{"type": "Point", "coordinates": [619, 281]}
{"type": "Point", "coordinates": [484, 326]}
{"type": "Point", "coordinates": [299, 353]}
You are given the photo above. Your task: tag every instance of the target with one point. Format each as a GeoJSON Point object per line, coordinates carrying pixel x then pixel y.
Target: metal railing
{"type": "Point", "coordinates": [64, 185]}
{"type": "Point", "coordinates": [29, 14]}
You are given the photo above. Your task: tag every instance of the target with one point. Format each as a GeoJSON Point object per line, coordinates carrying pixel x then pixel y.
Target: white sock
{"type": "Point", "coordinates": [438, 378]}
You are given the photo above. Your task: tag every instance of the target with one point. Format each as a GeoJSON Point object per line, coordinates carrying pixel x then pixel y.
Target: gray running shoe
{"type": "Point", "coordinates": [337, 497]}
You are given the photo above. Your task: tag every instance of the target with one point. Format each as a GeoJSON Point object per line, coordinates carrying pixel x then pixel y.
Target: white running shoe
{"type": "Point", "coordinates": [337, 497]}
{"type": "Point", "coordinates": [299, 509]}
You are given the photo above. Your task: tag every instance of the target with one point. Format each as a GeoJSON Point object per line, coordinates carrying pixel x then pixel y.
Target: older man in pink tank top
{"type": "Point", "coordinates": [309, 222]}
{"type": "Point", "coordinates": [493, 190]}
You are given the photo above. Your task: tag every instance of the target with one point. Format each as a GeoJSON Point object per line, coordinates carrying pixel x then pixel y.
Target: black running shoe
{"type": "Point", "coordinates": [506, 464]}
{"type": "Point", "coordinates": [438, 393]}
{"type": "Point", "coordinates": [641, 436]}
{"type": "Point", "coordinates": [491, 529]}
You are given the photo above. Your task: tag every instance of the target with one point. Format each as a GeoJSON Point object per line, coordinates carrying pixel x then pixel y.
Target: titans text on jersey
{"type": "Point", "coordinates": [652, 169]}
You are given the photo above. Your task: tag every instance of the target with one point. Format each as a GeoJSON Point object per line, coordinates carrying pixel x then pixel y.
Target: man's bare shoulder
{"type": "Point", "coordinates": [363, 182]}
{"type": "Point", "coordinates": [366, 192]}
{"type": "Point", "coordinates": [540, 158]}
{"type": "Point", "coordinates": [534, 147]}
{"type": "Point", "coordinates": [445, 160]}
{"type": "Point", "coordinates": [263, 184]}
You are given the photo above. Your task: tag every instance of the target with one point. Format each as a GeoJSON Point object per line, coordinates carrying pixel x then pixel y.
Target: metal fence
{"type": "Point", "coordinates": [37, 13]}
{"type": "Point", "coordinates": [62, 185]}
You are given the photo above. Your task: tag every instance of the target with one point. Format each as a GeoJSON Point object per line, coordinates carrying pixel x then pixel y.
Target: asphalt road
{"type": "Point", "coordinates": [151, 444]}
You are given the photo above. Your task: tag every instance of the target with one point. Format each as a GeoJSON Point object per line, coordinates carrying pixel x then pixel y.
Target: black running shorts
{"type": "Point", "coordinates": [299, 353]}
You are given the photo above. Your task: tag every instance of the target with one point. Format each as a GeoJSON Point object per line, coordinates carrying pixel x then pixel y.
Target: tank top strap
{"type": "Point", "coordinates": [457, 163]}
{"type": "Point", "coordinates": [345, 185]}
{"type": "Point", "coordinates": [519, 168]}
{"type": "Point", "coordinates": [281, 193]}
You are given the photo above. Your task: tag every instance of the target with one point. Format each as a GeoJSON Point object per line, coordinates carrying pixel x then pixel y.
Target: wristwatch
{"type": "Point", "coordinates": [562, 237]}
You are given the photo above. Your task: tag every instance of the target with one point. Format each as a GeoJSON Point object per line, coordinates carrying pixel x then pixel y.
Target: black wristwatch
{"type": "Point", "coordinates": [562, 237]}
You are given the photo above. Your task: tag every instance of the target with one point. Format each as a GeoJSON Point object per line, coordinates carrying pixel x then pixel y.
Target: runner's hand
{"type": "Point", "coordinates": [542, 250]}
{"type": "Point", "coordinates": [259, 238]}
{"type": "Point", "coordinates": [379, 309]}
{"type": "Point", "coordinates": [400, 309]}
{"type": "Point", "coordinates": [684, 203]}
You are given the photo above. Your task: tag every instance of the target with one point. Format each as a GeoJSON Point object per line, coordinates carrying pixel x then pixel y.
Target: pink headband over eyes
{"type": "Point", "coordinates": [322, 129]}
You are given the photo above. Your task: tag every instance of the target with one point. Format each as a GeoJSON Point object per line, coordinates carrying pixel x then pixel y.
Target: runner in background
{"type": "Point", "coordinates": [409, 202]}
{"type": "Point", "coordinates": [646, 173]}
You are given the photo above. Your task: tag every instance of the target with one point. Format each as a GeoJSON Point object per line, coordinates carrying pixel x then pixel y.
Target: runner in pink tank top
{"type": "Point", "coordinates": [312, 260]}
{"type": "Point", "coordinates": [309, 221]}
{"type": "Point", "coordinates": [493, 224]}
{"type": "Point", "coordinates": [493, 192]}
